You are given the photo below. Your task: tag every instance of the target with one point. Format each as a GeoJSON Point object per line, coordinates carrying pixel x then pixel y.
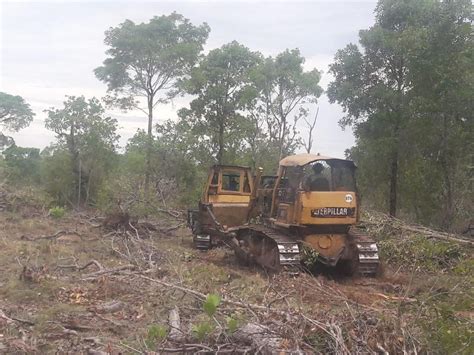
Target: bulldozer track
{"type": "Point", "coordinates": [202, 241]}
{"type": "Point", "coordinates": [368, 254]}
{"type": "Point", "coordinates": [288, 248]}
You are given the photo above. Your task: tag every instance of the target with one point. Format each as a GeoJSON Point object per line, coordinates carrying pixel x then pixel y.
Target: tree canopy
{"type": "Point", "coordinates": [15, 113]}
{"type": "Point", "coordinates": [222, 84]}
{"type": "Point", "coordinates": [284, 88]}
{"type": "Point", "coordinates": [146, 60]}
{"type": "Point", "coordinates": [88, 136]}
{"type": "Point", "coordinates": [411, 77]}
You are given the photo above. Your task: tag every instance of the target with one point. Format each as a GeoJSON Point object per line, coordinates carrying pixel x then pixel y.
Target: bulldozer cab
{"type": "Point", "coordinates": [228, 191]}
{"type": "Point", "coordinates": [312, 189]}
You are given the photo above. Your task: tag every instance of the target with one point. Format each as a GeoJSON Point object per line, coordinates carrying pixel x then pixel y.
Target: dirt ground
{"type": "Point", "coordinates": [68, 286]}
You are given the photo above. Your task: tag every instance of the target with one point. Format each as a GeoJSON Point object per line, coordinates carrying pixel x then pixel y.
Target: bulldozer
{"type": "Point", "coordinates": [309, 210]}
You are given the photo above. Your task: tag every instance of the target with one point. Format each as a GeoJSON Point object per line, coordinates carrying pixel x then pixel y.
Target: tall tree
{"type": "Point", "coordinates": [373, 85]}
{"type": "Point", "coordinates": [89, 136]}
{"type": "Point", "coordinates": [443, 84]}
{"type": "Point", "coordinates": [223, 88]}
{"type": "Point", "coordinates": [15, 114]}
{"type": "Point", "coordinates": [146, 60]}
{"type": "Point", "coordinates": [284, 88]}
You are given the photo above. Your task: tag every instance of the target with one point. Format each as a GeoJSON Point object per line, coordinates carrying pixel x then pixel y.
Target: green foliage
{"type": "Point", "coordinates": [211, 304]}
{"type": "Point", "coordinates": [147, 60]}
{"type": "Point", "coordinates": [57, 177]}
{"type": "Point", "coordinates": [422, 253]}
{"type": "Point", "coordinates": [15, 113]}
{"type": "Point", "coordinates": [448, 336]}
{"type": "Point", "coordinates": [86, 143]}
{"type": "Point", "coordinates": [232, 324]}
{"type": "Point", "coordinates": [156, 334]}
{"type": "Point", "coordinates": [148, 57]}
{"type": "Point", "coordinates": [223, 87]}
{"type": "Point", "coordinates": [283, 87]}
{"type": "Point", "coordinates": [22, 164]}
{"type": "Point", "coordinates": [310, 256]}
{"type": "Point", "coordinates": [446, 315]}
{"type": "Point", "coordinates": [404, 92]}
{"type": "Point", "coordinates": [57, 212]}
{"type": "Point", "coordinates": [202, 330]}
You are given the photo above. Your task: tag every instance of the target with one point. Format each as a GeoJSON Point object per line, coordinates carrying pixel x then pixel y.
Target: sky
{"type": "Point", "coordinates": [49, 49]}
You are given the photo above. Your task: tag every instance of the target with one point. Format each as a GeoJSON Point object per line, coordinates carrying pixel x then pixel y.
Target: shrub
{"type": "Point", "coordinates": [57, 212]}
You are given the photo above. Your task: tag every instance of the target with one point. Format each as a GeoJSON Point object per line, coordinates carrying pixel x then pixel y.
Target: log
{"type": "Point", "coordinates": [110, 307]}
{"type": "Point", "coordinates": [174, 322]}
{"type": "Point", "coordinates": [259, 337]}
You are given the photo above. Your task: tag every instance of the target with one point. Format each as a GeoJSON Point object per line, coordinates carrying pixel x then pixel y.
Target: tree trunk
{"type": "Point", "coordinates": [149, 150]}
{"type": "Point", "coordinates": [448, 208]}
{"type": "Point", "coordinates": [79, 184]}
{"type": "Point", "coordinates": [220, 139]}
{"type": "Point", "coordinates": [75, 162]}
{"type": "Point", "coordinates": [393, 183]}
{"type": "Point", "coordinates": [394, 170]}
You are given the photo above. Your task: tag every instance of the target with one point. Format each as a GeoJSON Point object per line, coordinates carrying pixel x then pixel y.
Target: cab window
{"type": "Point", "coordinates": [230, 181]}
{"type": "Point", "coordinates": [343, 176]}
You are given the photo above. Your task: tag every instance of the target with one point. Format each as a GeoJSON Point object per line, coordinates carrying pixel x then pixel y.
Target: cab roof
{"type": "Point", "coordinates": [304, 159]}
{"type": "Point", "coordinates": [225, 166]}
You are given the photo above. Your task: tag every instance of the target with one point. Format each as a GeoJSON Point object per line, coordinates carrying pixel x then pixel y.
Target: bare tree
{"type": "Point", "coordinates": [310, 124]}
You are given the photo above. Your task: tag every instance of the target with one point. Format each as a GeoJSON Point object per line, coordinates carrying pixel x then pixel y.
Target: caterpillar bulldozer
{"type": "Point", "coordinates": [311, 208]}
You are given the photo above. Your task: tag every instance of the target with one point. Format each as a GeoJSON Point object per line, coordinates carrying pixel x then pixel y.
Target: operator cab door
{"type": "Point", "coordinates": [287, 194]}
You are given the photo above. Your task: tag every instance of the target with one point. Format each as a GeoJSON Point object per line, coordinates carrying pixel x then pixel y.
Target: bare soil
{"type": "Point", "coordinates": [93, 290]}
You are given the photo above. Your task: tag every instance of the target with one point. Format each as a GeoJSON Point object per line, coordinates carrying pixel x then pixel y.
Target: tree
{"type": "Point", "coordinates": [284, 88]}
{"type": "Point", "coordinates": [373, 86]}
{"type": "Point", "coordinates": [146, 60]}
{"type": "Point", "coordinates": [308, 144]}
{"type": "Point", "coordinates": [15, 114]}
{"type": "Point", "coordinates": [23, 163]}
{"type": "Point", "coordinates": [443, 84]}
{"type": "Point", "coordinates": [223, 88]}
{"type": "Point", "coordinates": [89, 137]}
{"type": "Point", "coordinates": [408, 97]}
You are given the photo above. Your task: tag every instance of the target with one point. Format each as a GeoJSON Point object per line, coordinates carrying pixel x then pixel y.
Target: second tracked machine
{"type": "Point", "coordinates": [309, 211]}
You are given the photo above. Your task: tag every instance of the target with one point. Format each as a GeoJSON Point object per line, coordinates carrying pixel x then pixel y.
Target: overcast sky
{"type": "Point", "coordinates": [50, 48]}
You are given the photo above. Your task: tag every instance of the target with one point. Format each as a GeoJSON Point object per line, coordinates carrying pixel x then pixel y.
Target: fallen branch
{"type": "Point", "coordinates": [186, 347]}
{"type": "Point", "coordinates": [80, 268]}
{"type": "Point", "coordinates": [175, 214]}
{"type": "Point", "coordinates": [248, 306]}
{"type": "Point", "coordinates": [377, 219]}
{"type": "Point", "coordinates": [395, 298]}
{"type": "Point", "coordinates": [113, 271]}
{"type": "Point", "coordinates": [49, 237]}
{"type": "Point", "coordinates": [11, 319]}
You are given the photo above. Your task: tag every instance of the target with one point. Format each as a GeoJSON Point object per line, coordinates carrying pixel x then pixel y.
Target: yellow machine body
{"type": "Point", "coordinates": [311, 203]}
{"type": "Point", "coordinates": [319, 208]}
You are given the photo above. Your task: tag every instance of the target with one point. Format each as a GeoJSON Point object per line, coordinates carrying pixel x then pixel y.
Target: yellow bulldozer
{"type": "Point", "coordinates": [310, 208]}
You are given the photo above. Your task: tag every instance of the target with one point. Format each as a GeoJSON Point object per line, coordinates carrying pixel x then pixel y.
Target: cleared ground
{"type": "Point", "coordinates": [69, 286]}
